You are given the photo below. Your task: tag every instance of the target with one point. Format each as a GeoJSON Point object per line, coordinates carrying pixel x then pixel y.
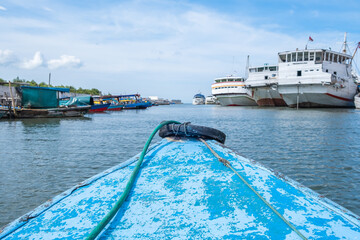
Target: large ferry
{"type": "Point", "coordinates": [199, 99]}
{"type": "Point", "coordinates": [262, 82]}
{"type": "Point", "coordinates": [317, 78]}
{"type": "Point", "coordinates": [231, 91]}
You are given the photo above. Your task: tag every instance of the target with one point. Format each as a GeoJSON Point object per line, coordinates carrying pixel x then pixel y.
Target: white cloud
{"type": "Point", "coordinates": [7, 57]}
{"type": "Point", "coordinates": [3, 8]}
{"type": "Point", "coordinates": [65, 61]}
{"type": "Point", "coordinates": [37, 61]}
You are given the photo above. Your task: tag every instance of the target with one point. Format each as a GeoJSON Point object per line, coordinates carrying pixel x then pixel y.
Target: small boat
{"type": "Point", "coordinates": [357, 101]}
{"type": "Point", "coordinates": [189, 185]}
{"type": "Point", "coordinates": [211, 100]}
{"type": "Point", "coordinates": [79, 111]}
{"type": "Point", "coordinates": [99, 107]}
{"type": "Point", "coordinates": [198, 99]}
{"type": "Point", "coordinates": [132, 101]}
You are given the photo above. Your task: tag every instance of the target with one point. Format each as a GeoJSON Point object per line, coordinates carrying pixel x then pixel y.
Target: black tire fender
{"type": "Point", "coordinates": [189, 130]}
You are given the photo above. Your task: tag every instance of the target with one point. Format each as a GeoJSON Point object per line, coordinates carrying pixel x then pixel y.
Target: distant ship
{"type": "Point", "coordinates": [231, 91]}
{"type": "Point", "coordinates": [199, 99]}
{"type": "Point", "coordinates": [211, 100]}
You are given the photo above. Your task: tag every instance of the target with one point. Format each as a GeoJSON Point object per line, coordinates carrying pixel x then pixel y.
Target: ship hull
{"type": "Point", "coordinates": [317, 95]}
{"type": "Point", "coordinates": [236, 100]}
{"type": "Point", "coordinates": [268, 97]}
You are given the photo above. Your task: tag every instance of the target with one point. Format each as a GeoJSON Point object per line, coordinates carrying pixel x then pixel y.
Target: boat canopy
{"type": "Point", "coordinates": [317, 55]}
{"type": "Point", "coordinates": [120, 96]}
{"type": "Point", "coordinates": [79, 101]}
{"type": "Point", "coordinates": [40, 97]}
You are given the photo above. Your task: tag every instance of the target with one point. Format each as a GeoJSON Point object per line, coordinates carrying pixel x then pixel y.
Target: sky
{"type": "Point", "coordinates": [167, 48]}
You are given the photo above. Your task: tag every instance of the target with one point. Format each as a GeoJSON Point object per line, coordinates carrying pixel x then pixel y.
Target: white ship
{"type": "Point", "coordinates": [199, 99]}
{"type": "Point", "coordinates": [231, 91]}
{"type": "Point", "coordinates": [317, 78]}
{"type": "Point", "coordinates": [211, 100]}
{"type": "Point", "coordinates": [262, 82]}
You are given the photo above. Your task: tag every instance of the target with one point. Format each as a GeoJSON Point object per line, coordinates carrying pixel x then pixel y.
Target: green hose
{"type": "Point", "coordinates": [96, 231]}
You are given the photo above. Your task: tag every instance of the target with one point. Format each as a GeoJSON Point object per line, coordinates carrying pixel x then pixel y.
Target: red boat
{"type": "Point", "coordinates": [99, 108]}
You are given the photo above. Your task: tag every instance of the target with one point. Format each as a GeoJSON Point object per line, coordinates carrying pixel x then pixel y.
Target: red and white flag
{"type": "Point", "coordinates": [310, 39]}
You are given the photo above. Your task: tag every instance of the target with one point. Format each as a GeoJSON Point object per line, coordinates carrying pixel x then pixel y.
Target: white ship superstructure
{"type": "Point", "coordinates": [231, 91]}
{"type": "Point", "coordinates": [199, 99]}
{"type": "Point", "coordinates": [316, 78]}
{"type": "Point", "coordinates": [262, 83]}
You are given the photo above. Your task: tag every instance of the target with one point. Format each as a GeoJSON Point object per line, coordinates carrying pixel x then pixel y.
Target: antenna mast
{"type": "Point", "coordinates": [345, 43]}
{"type": "Point", "coordinates": [247, 67]}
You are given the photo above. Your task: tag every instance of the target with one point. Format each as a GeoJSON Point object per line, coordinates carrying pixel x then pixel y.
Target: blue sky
{"type": "Point", "coordinates": [171, 49]}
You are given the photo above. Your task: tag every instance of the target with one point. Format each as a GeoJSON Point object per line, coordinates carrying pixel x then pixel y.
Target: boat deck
{"type": "Point", "coordinates": [183, 191]}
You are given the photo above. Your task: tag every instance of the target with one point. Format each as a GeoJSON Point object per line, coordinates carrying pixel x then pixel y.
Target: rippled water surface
{"type": "Point", "coordinates": [40, 158]}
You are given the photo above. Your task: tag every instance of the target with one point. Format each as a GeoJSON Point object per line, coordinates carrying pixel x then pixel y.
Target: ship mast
{"type": "Point", "coordinates": [247, 68]}
{"type": "Point", "coordinates": [345, 43]}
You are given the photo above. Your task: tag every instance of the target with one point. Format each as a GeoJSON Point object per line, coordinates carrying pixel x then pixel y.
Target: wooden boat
{"type": "Point", "coordinates": [115, 107]}
{"type": "Point", "coordinates": [99, 107]}
{"type": "Point", "coordinates": [183, 191]}
{"type": "Point", "coordinates": [53, 112]}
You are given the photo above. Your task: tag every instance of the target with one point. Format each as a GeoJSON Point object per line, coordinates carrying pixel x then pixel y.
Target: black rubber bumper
{"type": "Point", "coordinates": [190, 130]}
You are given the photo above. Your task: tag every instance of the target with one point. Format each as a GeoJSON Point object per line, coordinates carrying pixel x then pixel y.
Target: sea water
{"type": "Point", "coordinates": [40, 158]}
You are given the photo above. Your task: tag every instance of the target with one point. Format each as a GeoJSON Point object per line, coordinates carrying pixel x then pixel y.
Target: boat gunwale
{"type": "Point", "coordinates": [22, 220]}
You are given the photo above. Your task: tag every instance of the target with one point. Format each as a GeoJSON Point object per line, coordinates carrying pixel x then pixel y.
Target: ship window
{"type": "Point", "coordinates": [306, 70]}
{"type": "Point", "coordinates": [288, 57]}
{"type": "Point", "coordinates": [318, 57]}
{"type": "Point", "coordinates": [260, 69]}
{"type": "Point", "coordinates": [311, 70]}
{"type": "Point", "coordinates": [336, 57]}
{"type": "Point", "coordinates": [311, 56]}
{"type": "Point", "coordinates": [274, 75]}
{"type": "Point", "coordinates": [252, 70]}
{"type": "Point", "coordinates": [282, 58]}
{"type": "Point", "coordinates": [272, 68]}
{"type": "Point", "coordinates": [266, 77]}
{"type": "Point", "coordinates": [317, 69]}
{"type": "Point", "coordinates": [299, 73]}
{"type": "Point", "coordinates": [293, 57]}
{"type": "Point", "coordinates": [300, 57]}
{"type": "Point", "coordinates": [334, 73]}
{"type": "Point", "coordinates": [327, 70]}
{"type": "Point", "coordinates": [306, 56]}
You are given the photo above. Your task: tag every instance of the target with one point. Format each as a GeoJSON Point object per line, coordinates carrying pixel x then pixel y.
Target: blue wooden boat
{"type": "Point", "coordinates": [131, 101]}
{"type": "Point", "coordinates": [188, 187]}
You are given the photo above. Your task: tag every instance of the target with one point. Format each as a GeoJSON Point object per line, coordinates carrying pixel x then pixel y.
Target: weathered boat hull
{"type": "Point", "coordinates": [99, 108]}
{"type": "Point", "coordinates": [140, 105]}
{"type": "Point", "coordinates": [317, 95]}
{"type": "Point", "coordinates": [3, 113]}
{"type": "Point", "coordinates": [235, 100]}
{"type": "Point", "coordinates": [184, 192]}
{"type": "Point", "coordinates": [53, 112]}
{"type": "Point", "coordinates": [268, 97]}
{"type": "Point", "coordinates": [113, 107]}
